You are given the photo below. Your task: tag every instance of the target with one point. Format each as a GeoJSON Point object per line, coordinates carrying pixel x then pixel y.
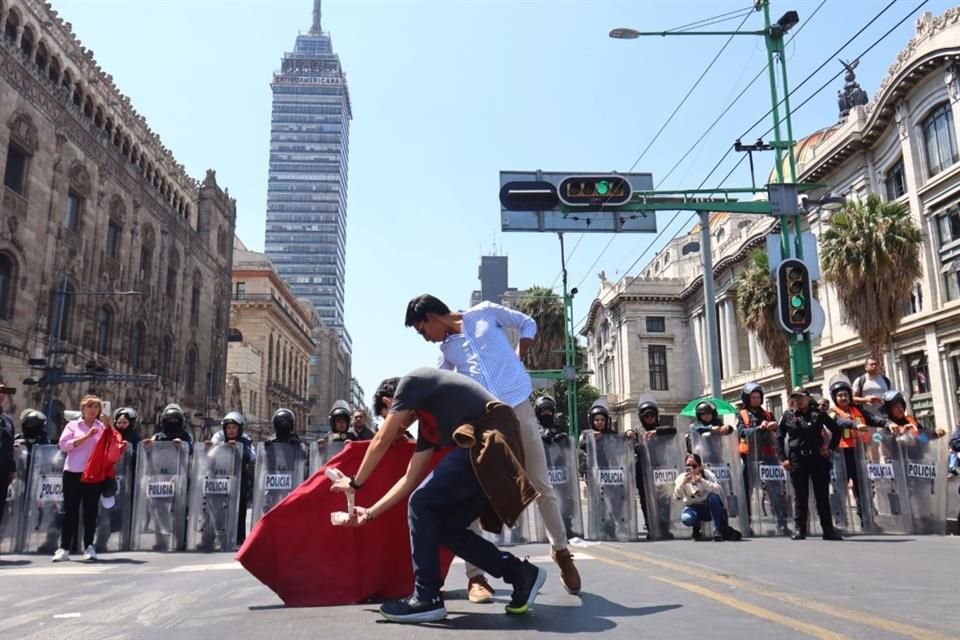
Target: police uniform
{"type": "Point", "coordinates": [800, 440]}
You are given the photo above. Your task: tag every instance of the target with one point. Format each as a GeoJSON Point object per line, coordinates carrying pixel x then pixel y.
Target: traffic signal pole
{"type": "Point", "coordinates": [569, 351]}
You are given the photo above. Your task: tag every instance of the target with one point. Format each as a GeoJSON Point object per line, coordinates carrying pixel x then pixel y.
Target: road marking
{"type": "Point", "coordinates": [193, 568]}
{"type": "Point", "coordinates": [797, 625]}
{"type": "Point", "coordinates": [871, 620]}
{"type": "Point", "coordinates": [59, 616]}
{"type": "Point", "coordinates": [542, 559]}
{"type": "Point", "coordinates": [55, 571]}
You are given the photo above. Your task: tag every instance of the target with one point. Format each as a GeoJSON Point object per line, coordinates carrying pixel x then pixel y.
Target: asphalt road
{"type": "Point", "coordinates": [867, 587]}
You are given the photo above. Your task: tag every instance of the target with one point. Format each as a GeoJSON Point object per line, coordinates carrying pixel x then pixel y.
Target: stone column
{"type": "Point", "coordinates": [733, 348]}
{"type": "Point", "coordinates": [752, 344]}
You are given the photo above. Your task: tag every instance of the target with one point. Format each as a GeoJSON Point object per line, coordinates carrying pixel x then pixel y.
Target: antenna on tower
{"type": "Point", "coordinates": [316, 18]}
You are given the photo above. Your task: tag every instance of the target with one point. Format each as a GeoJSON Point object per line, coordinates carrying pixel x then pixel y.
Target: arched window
{"type": "Point", "coordinates": [136, 346]}
{"type": "Point", "coordinates": [77, 94]}
{"type": "Point", "coordinates": [27, 41]}
{"type": "Point", "coordinates": [13, 25]}
{"type": "Point", "coordinates": [166, 357]}
{"type": "Point", "coordinates": [270, 358]}
{"type": "Point", "coordinates": [104, 328]}
{"type": "Point", "coordinates": [173, 270]}
{"type": "Point", "coordinates": [8, 274]}
{"type": "Point", "coordinates": [195, 299]}
{"type": "Point", "coordinates": [939, 139]}
{"type": "Point", "coordinates": [61, 312]}
{"type": "Point", "coordinates": [53, 71]}
{"type": "Point", "coordinates": [191, 371]}
{"type": "Point", "coordinates": [42, 57]}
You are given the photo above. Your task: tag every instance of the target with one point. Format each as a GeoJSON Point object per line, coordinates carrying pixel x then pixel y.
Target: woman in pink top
{"type": "Point", "coordinates": [78, 440]}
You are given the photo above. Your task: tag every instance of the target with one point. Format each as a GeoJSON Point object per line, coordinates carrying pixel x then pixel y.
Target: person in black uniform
{"type": "Point", "coordinates": [233, 435]}
{"type": "Point", "coordinates": [33, 430]}
{"type": "Point", "coordinates": [556, 446]}
{"type": "Point", "coordinates": [649, 413]}
{"type": "Point", "coordinates": [173, 427]}
{"type": "Point", "coordinates": [283, 427]}
{"type": "Point", "coordinates": [803, 453]}
{"type": "Point", "coordinates": [551, 430]}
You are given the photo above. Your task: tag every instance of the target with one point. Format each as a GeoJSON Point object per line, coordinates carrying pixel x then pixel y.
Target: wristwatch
{"type": "Point", "coordinates": [354, 485]}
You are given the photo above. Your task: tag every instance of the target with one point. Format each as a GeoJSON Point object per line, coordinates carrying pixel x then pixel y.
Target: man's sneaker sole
{"type": "Point", "coordinates": [433, 615]}
{"type": "Point", "coordinates": [475, 599]}
{"type": "Point", "coordinates": [537, 585]}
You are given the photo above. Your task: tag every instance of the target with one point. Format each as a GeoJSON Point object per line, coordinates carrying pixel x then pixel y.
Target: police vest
{"type": "Point", "coordinates": [848, 439]}
{"type": "Point", "coordinates": [747, 418]}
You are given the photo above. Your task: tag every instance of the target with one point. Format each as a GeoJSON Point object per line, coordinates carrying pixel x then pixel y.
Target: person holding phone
{"type": "Point", "coordinates": [700, 492]}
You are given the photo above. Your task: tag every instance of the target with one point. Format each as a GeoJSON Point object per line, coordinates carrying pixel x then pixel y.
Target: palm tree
{"type": "Point", "coordinates": [757, 305]}
{"type": "Point", "coordinates": [546, 308]}
{"type": "Point", "coordinates": [870, 253]}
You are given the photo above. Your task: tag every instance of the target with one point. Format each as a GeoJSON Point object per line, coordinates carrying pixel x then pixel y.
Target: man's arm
{"type": "Point", "coordinates": [781, 436]}
{"type": "Point", "coordinates": [834, 428]}
{"type": "Point", "coordinates": [392, 427]}
{"type": "Point", "coordinates": [416, 470]}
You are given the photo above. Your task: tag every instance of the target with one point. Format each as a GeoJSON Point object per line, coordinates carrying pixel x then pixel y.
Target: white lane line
{"type": "Point", "coordinates": [542, 559]}
{"type": "Point", "coordinates": [193, 568]}
{"type": "Point", "coordinates": [59, 616]}
{"type": "Point", "coordinates": [55, 571]}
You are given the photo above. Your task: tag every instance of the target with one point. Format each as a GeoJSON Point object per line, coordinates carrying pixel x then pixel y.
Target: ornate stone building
{"type": "Point", "coordinates": [903, 145]}
{"type": "Point", "coordinates": [106, 242]}
{"type": "Point", "coordinates": [268, 359]}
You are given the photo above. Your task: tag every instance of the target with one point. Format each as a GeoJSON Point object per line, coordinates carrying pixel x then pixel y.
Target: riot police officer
{"type": "Point", "coordinates": [283, 427]}
{"type": "Point", "coordinates": [599, 420]}
{"type": "Point", "coordinates": [756, 427]}
{"type": "Point", "coordinates": [545, 409]}
{"type": "Point", "coordinates": [126, 420]}
{"type": "Point", "coordinates": [708, 421]}
{"type": "Point", "coordinates": [649, 413]}
{"type": "Point", "coordinates": [173, 427]}
{"type": "Point", "coordinates": [33, 430]}
{"type": "Point", "coordinates": [802, 452]}
{"type": "Point", "coordinates": [233, 435]}
{"type": "Point", "coordinates": [340, 422]}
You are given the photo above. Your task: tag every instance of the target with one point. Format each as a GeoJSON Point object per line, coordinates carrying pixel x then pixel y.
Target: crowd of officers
{"type": "Point", "coordinates": [803, 441]}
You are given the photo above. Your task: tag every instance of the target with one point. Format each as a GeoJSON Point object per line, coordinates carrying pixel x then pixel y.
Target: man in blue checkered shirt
{"type": "Point", "coordinates": [477, 343]}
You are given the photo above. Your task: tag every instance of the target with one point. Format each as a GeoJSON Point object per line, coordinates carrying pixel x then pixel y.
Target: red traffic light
{"type": "Point", "coordinates": [595, 191]}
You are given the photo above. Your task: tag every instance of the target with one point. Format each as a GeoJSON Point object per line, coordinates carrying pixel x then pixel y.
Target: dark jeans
{"type": "Point", "coordinates": [853, 473]}
{"type": "Point", "coordinates": [694, 514]}
{"type": "Point", "coordinates": [440, 512]}
{"type": "Point", "coordinates": [816, 469]}
{"type": "Point", "coordinates": [75, 493]}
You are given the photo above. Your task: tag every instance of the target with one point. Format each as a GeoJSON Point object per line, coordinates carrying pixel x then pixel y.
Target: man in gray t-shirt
{"type": "Point", "coordinates": [869, 388]}
{"type": "Point", "coordinates": [442, 507]}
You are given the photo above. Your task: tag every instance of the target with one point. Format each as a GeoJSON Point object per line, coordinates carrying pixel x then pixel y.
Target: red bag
{"type": "Point", "coordinates": [308, 562]}
{"type": "Point", "coordinates": [101, 463]}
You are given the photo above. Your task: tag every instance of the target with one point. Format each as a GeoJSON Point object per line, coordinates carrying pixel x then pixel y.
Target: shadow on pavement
{"type": "Point", "coordinates": [13, 563]}
{"type": "Point", "coordinates": [887, 540]}
{"type": "Point", "coordinates": [592, 616]}
{"type": "Point", "coordinates": [118, 561]}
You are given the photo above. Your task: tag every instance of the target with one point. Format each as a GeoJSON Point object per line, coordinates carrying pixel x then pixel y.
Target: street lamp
{"type": "Point", "coordinates": [827, 203]}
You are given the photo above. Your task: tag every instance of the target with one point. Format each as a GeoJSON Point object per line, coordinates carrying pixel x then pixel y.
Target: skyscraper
{"type": "Point", "coordinates": [306, 231]}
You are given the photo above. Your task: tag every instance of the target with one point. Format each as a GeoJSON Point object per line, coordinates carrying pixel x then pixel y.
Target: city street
{"type": "Point", "coordinates": [867, 587]}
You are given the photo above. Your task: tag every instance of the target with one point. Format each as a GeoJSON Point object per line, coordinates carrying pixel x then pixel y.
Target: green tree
{"type": "Point", "coordinates": [757, 306]}
{"type": "Point", "coordinates": [587, 394]}
{"type": "Point", "coordinates": [546, 308]}
{"type": "Point", "coordinates": [870, 253]}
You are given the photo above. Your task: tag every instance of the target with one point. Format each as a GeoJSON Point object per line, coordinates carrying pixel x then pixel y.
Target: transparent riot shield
{"type": "Point", "coordinates": [884, 500]}
{"type": "Point", "coordinates": [925, 459]}
{"type": "Point", "coordinates": [113, 524]}
{"type": "Point", "coordinates": [160, 497]}
{"type": "Point", "coordinates": [12, 522]}
{"type": "Point", "coordinates": [280, 469]}
{"type": "Point", "coordinates": [611, 487]}
{"type": "Point", "coordinates": [720, 454]}
{"type": "Point", "coordinates": [771, 495]}
{"type": "Point", "coordinates": [323, 450]}
{"type": "Point", "coordinates": [44, 500]}
{"type": "Point", "coordinates": [214, 508]}
{"type": "Point", "coordinates": [562, 474]}
{"type": "Point", "coordinates": [841, 506]}
{"type": "Point", "coordinates": [662, 464]}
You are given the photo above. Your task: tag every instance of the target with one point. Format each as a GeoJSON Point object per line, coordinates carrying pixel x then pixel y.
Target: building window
{"type": "Point", "coordinates": [951, 281]}
{"type": "Point", "coordinates": [241, 290]}
{"type": "Point", "coordinates": [61, 305]}
{"type": "Point", "coordinates": [914, 304]}
{"type": "Point", "coordinates": [136, 346]}
{"type": "Point", "coordinates": [104, 322]}
{"type": "Point", "coordinates": [775, 405]}
{"type": "Point", "coordinates": [657, 356]}
{"type": "Point", "coordinates": [7, 275]}
{"type": "Point", "coordinates": [171, 283]}
{"type": "Point", "coordinates": [656, 324]}
{"type": "Point", "coordinates": [195, 301]}
{"type": "Point", "coordinates": [71, 219]}
{"type": "Point", "coordinates": [895, 181]}
{"type": "Point", "coordinates": [166, 357]}
{"type": "Point", "coordinates": [939, 139]}
{"type": "Point", "coordinates": [15, 175]}
{"type": "Point", "coordinates": [191, 373]}
{"type": "Point", "coordinates": [113, 240]}
{"type": "Point", "coordinates": [918, 373]}
{"type": "Point", "coordinates": [146, 263]}
{"type": "Point", "coordinates": [955, 367]}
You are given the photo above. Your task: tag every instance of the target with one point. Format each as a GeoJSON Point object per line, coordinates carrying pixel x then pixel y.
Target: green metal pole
{"type": "Point", "coordinates": [569, 349]}
{"type": "Point", "coordinates": [773, 47]}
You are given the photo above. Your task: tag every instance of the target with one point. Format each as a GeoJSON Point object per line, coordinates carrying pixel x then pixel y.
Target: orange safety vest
{"type": "Point", "coordinates": [848, 440]}
{"type": "Point", "coordinates": [745, 418]}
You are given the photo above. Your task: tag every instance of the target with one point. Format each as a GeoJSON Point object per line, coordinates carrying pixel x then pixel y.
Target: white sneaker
{"type": "Point", "coordinates": [61, 555]}
{"type": "Point", "coordinates": [90, 553]}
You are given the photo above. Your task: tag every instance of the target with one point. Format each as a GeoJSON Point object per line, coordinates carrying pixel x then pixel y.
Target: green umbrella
{"type": "Point", "coordinates": [724, 408]}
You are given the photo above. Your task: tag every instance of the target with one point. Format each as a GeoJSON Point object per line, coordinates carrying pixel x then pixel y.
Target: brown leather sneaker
{"type": "Point", "coordinates": [569, 575]}
{"type": "Point", "coordinates": [479, 590]}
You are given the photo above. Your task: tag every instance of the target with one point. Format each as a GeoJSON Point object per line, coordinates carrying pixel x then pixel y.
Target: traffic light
{"type": "Point", "coordinates": [535, 195]}
{"type": "Point", "coordinates": [794, 296]}
{"type": "Point", "coordinates": [595, 191]}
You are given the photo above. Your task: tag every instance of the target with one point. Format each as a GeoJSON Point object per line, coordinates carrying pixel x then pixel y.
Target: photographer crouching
{"type": "Point", "coordinates": [700, 492]}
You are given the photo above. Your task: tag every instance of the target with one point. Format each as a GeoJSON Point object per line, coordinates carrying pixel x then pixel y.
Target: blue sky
{"type": "Point", "coordinates": [445, 94]}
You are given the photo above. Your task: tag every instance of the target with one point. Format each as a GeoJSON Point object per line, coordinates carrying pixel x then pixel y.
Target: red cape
{"type": "Point", "coordinates": [308, 562]}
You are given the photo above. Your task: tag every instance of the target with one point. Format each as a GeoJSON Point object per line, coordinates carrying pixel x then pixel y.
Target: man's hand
{"type": "Point", "coordinates": [770, 425]}
{"type": "Point", "coordinates": [825, 451]}
{"type": "Point", "coordinates": [342, 485]}
{"type": "Point", "coordinates": [940, 433]}
{"type": "Point", "coordinates": [648, 435]}
{"type": "Point", "coordinates": [630, 434]}
{"type": "Point", "coordinates": [787, 466]}
{"type": "Point", "coordinates": [875, 400]}
{"type": "Point", "coordinates": [359, 517]}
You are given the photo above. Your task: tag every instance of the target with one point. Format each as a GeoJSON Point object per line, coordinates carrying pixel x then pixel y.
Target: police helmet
{"type": "Point", "coordinates": [891, 398]}
{"type": "Point", "coordinates": [647, 405]}
{"type": "Point", "coordinates": [840, 383]}
{"type": "Point", "coordinates": [340, 410]}
{"type": "Point", "coordinates": [172, 419]}
{"type": "Point", "coordinates": [129, 413]}
{"type": "Point", "coordinates": [283, 422]}
{"type": "Point", "coordinates": [705, 406]}
{"type": "Point", "coordinates": [598, 410]}
{"type": "Point", "coordinates": [748, 390]}
{"type": "Point", "coordinates": [32, 422]}
{"type": "Point", "coordinates": [543, 403]}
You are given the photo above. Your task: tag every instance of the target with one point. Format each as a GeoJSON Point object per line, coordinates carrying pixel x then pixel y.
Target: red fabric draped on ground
{"type": "Point", "coordinates": [308, 562]}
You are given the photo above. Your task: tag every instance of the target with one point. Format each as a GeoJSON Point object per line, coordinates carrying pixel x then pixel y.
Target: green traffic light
{"type": "Point", "coordinates": [796, 302]}
{"type": "Point", "coordinates": [603, 188]}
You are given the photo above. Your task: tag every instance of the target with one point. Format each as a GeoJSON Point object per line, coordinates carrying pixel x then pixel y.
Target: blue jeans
{"type": "Point", "coordinates": [694, 514]}
{"type": "Point", "coordinates": [440, 512]}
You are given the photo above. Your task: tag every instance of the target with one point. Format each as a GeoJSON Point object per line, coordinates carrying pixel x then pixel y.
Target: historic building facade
{"type": "Point", "coordinates": [109, 251]}
{"type": "Point", "coordinates": [902, 145]}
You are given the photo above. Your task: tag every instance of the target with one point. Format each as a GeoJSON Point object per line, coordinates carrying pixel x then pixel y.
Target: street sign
{"type": "Point", "coordinates": [532, 195]}
{"type": "Point", "coordinates": [810, 255]}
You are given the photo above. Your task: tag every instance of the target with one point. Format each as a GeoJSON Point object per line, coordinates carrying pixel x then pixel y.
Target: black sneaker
{"type": "Point", "coordinates": [411, 610]}
{"type": "Point", "coordinates": [832, 535]}
{"type": "Point", "coordinates": [525, 589]}
{"type": "Point", "coordinates": [729, 533]}
{"type": "Point", "coordinates": [799, 535]}
{"type": "Point", "coordinates": [697, 534]}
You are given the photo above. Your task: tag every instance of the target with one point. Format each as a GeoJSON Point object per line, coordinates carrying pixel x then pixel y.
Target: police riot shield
{"type": "Point", "coordinates": [662, 464]}
{"type": "Point", "coordinates": [925, 460]}
{"type": "Point", "coordinates": [214, 508]}
{"type": "Point", "coordinates": [611, 487]}
{"type": "Point", "coordinates": [768, 483]}
{"type": "Point", "coordinates": [720, 454]}
{"type": "Point", "coordinates": [562, 475]}
{"type": "Point", "coordinates": [44, 500]}
{"type": "Point", "coordinates": [113, 524]}
{"type": "Point", "coordinates": [884, 501]}
{"type": "Point", "coordinates": [160, 497]}
{"type": "Point", "coordinates": [12, 521]}
{"type": "Point", "coordinates": [323, 450]}
{"type": "Point", "coordinates": [280, 469]}
{"type": "Point", "coordinates": [842, 508]}
{"type": "Point", "coordinates": [523, 532]}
